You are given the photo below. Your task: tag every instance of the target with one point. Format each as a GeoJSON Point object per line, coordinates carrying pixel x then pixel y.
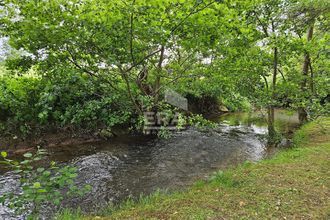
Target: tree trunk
{"type": "Point", "coordinates": [271, 124]}
{"type": "Point", "coordinates": [158, 76]}
{"type": "Point", "coordinates": [129, 91]}
{"type": "Point", "coordinates": [271, 107]}
{"type": "Point", "coordinates": [302, 113]}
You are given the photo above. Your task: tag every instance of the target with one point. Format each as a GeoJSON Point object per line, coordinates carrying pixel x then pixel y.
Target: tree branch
{"type": "Point", "coordinates": [131, 33]}
{"type": "Point", "coordinates": [190, 14]}
{"type": "Point", "coordinates": [74, 62]}
{"type": "Point", "coordinates": [142, 60]}
{"type": "Point", "coordinates": [281, 74]}
{"type": "Point", "coordinates": [262, 24]}
{"type": "Point", "coordinates": [125, 78]}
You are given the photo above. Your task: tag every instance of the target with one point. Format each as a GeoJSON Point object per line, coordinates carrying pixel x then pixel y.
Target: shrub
{"type": "Point", "coordinates": [39, 185]}
{"type": "Point", "coordinates": [81, 102]}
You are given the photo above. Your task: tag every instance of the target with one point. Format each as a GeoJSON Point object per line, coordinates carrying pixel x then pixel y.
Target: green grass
{"type": "Point", "coordinates": [292, 185]}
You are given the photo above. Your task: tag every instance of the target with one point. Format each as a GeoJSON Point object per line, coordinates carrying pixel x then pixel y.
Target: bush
{"type": "Point", "coordinates": [18, 97]}
{"type": "Point", "coordinates": [81, 102]}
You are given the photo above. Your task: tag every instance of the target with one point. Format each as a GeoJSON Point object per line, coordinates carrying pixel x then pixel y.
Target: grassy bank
{"type": "Point", "coordinates": [292, 185]}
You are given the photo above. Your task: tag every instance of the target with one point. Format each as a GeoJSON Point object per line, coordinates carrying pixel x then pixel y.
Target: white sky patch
{"type": "Point", "coordinates": [4, 48]}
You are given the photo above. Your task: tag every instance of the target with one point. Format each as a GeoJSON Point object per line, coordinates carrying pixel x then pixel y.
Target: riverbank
{"type": "Point", "coordinates": [16, 146]}
{"type": "Point", "coordinates": [58, 138]}
{"type": "Point", "coordinates": [292, 185]}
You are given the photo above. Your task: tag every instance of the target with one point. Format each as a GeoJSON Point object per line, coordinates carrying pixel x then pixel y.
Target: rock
{"type": "Point", "coordinates": [106, 134]}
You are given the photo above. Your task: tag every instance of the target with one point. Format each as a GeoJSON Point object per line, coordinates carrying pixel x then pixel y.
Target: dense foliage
{"type": "Point", "coordinates": [95, 64]}
{"type": "Point", "coordinates": [71, 100]}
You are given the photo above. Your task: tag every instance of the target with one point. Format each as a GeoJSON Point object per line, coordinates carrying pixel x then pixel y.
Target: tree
{"type": "Point", "coordinates": [130, 44]}
{"type": "Point", "coordinates": [269, 20]}
{"type": "Point", "coordinates": [308, 14]}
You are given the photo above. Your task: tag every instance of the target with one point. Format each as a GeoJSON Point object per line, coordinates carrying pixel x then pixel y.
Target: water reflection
{"type": "Point", "coordinates": [285, 121]}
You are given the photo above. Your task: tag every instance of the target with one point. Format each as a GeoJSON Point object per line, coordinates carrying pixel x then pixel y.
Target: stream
{"type": "Point", "coordinates": [129, 166]}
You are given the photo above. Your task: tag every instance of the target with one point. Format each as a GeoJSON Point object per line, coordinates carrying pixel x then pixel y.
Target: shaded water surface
{"type": "Point", "coordinates": [129, 166]}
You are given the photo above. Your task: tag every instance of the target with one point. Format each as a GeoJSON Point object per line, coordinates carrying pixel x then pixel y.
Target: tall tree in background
{"type": "Point", "coordinates": [308, 16]}
{"type": "Point", "coordinates": [268, 17]}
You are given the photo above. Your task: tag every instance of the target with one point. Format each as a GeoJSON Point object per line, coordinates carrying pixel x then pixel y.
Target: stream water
{"type": "Point", "coordinates": [134, 165]}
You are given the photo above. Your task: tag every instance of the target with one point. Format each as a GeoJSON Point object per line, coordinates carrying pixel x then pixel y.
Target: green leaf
{"type": "Point", "coordinates": [37, 159]}
{"type": "Point", "coordinates": [88, 187]}
{"type": "Point", "coordinates": [24, 162]}
{"type": "Point", "coordinates": [4, 154]}
{"type": "Point", "coordinates": [36, 185]}
{"type": "Point", "coordinates": [28, 155]}
{"type": "Point", "coordinates": [46, 173]}
{"type": "Point", "coordinates": [18, 171]}
{"type": "Point", "coordinates": [40, 169]}
{"type": "Point", "coordinates": [56, 201]}
{"type": "Point", "coordinates": [41, 190]}
{"type": "Point", "coordinates": [2, 199]}
{"type": "Point", "coordinates": [73, 175]}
